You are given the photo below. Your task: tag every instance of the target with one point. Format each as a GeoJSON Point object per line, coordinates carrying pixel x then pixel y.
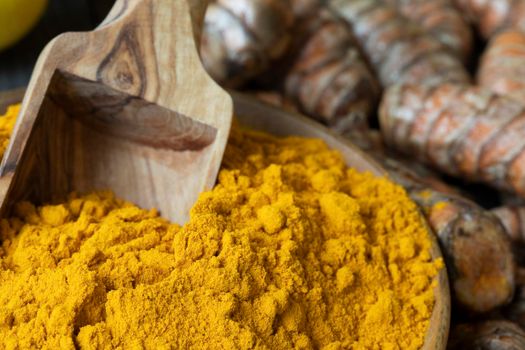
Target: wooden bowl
{"type": "Point", "coordinates": [263, 117]}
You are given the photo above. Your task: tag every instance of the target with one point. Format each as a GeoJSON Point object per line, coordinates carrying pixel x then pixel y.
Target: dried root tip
{"type": "Point", "coordinates": [502, 68]}
{"type": "Point", "coordinates": [492, 16]}
{"type": "Point", "coordinates": [399, 50]}
{"type": "Point", "coordinates": [513, 219]}
{"type": "Point", "coordinates": [477, 251]}
{"type": "Point", "coordinates": [462, 130]}
{"type": "Point", "coordinates": [242, 37]}
{"type": "Point", "coordinates": [488, 335]}
{"type": "Point", "coordinates": [442, 20]}
{"type": "Point", "coordinates": [328, 79]}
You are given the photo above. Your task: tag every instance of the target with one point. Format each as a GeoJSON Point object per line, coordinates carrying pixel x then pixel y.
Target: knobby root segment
{"type": "Point", "coordinates": [502, 67]}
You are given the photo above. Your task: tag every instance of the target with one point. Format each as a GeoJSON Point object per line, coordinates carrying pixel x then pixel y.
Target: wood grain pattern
{"type": "Point", "coordinates": [127, 106]}
{"type": "Point", "coordinates": [263, 117]}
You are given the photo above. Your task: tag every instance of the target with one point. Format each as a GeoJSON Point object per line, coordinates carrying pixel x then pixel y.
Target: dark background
{"type": "Point", "coordinates": [16, 63]}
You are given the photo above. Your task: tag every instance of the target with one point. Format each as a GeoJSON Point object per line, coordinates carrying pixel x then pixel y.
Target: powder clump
{"type": "Point", "coordinates": [7, 124]}
{"type": "Point", "coordinates": [290, 250]}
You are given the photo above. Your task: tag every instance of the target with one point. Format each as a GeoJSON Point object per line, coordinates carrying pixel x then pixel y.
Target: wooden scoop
{"type": "Point", "coordinates": [126, 107]}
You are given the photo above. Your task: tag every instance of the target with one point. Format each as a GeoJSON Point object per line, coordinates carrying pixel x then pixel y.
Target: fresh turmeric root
{"type": "Point", "coordinates": [502, 67]}
{"type": "Point", "coordinates": [516, 311]}
{"type": "Point", "coordinates": [492, 16]}
{"type": "Point", "coordinates": [513, 218]}
{"type": "Point", "coordinates": [442, 20]}
{"type": "Point", "coordinates": [399, 50]}
{"type": "Point", "coordinates": [487, 335]}
{"type": "Point", "coordinates": [461, 130]}
{"type": "Point", "coordinates": [328, 79]}
{"type": "Point", "coordinates": [242, 37]}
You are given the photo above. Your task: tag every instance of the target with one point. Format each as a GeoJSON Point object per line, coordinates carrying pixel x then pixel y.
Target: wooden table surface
{"type": "Point", "coordinates": [16, 63]}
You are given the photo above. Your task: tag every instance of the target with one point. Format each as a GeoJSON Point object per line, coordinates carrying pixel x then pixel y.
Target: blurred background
{"type": "Point", "coordinates": [16, 62]}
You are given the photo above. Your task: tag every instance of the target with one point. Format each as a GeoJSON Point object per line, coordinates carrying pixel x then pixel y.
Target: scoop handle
{"type": "Point", "coordinates": [197, 11]}
{"type": "Point", "coordinates": [144, 49]}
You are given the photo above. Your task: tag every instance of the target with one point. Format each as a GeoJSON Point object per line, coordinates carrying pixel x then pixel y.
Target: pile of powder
{"type": "Point", "coordinates": [7, 123]}
{"type": "Point", "coordinates": [290, 250]}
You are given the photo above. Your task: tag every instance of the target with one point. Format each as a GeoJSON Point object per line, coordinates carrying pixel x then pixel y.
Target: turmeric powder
{"type": "Point", "coordinates": [7, 123]}
{"type": "Point", "coordinates": [291, 249]}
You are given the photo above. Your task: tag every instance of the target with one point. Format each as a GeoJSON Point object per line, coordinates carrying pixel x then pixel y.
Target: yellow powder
{"type": "Point", "coordinates": [290, 250]}
{"type": "Point", "coordinates": [7, 123]}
